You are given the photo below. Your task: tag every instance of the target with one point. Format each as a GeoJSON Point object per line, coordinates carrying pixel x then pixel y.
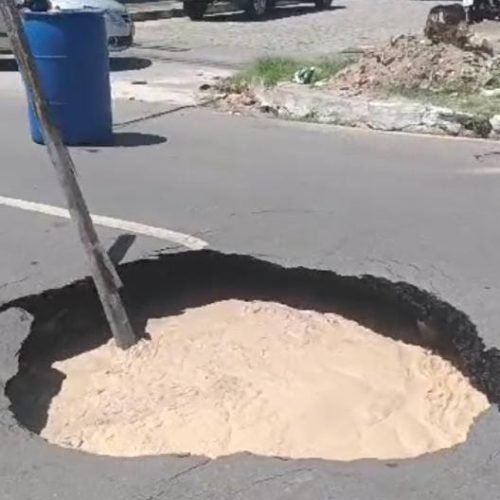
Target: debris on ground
{"type": "Point", "coordinates": [305, 76]}
{"type": "Point", "coordinates": [449, 69]}
{"type": "Point", "coordinates": [447, 24]}
{"type": "Point", "coordinates": [233, 96]}
{"type": "Point", "coordinates": [242, 101]}
{"type": "Point", "coordinates": [449, 57]}
{"type": "Point", "coordinates": [415, 62]}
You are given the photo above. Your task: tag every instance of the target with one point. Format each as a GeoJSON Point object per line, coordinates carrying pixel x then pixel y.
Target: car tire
{"type": "Point", "coordinates": [195, 9]}
{"type": "Point", "coordinates": [256, 9]}
{"type": "Point", "coordinates": [322, 4]}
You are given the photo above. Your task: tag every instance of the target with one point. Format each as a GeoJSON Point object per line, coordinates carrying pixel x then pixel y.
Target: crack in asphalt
{"type": "Point", "coordinates": [13, 282]}
{"type": "Point", "coordinates": [267, 479]}
{"type": "Point", "coordinates": [482, 156]}
{"type": "Point", "coordinates": [160, 488]}
{"type": "Point", "coordinates": [487, 462]}
{"type": "Point", "coordinates": [152, 116]}
{"type": "Point", "coordinates": [165, 112]}
{"type": "Point", "coordinates": [331, 252]}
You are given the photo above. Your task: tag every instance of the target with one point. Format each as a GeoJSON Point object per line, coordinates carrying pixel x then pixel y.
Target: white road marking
{"type": "Point", "coordinates": [185, 240]}
{"type": "Point", "coordinates": [482, 171]}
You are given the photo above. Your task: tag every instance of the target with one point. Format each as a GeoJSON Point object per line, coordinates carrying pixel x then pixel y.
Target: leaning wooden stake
{"type": "Point", "coordinates": [103, 272]}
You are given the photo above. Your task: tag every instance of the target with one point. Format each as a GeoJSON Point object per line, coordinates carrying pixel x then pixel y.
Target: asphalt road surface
{"type": "Point", "coordinates": [418, 209]}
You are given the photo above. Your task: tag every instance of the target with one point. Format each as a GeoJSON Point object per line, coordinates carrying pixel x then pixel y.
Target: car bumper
{"type": "Point", "coordinates": [120, 33]}
{"type": "Point", "coordinates": [4, 44]}
{"type": "Point", "coordinates": [120, 30]}
{"type": "Point", "coordinates": [117, 43]}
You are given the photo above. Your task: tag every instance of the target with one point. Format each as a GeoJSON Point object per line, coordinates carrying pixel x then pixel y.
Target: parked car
{"type": "Point", "coordinates": [254, 9]}
{"type": "Point", "coordinates": [119, 25]}
{"type": "Point", "coordinates": [4, 41]}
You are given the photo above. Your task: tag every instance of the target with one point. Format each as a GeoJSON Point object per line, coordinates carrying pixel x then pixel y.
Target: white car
{"type": "Point", "coordinates": [119, 25]}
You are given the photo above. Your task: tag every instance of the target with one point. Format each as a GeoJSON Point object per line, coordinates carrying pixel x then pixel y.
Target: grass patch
{"type": "Point", "coordinates": [269, 71]}
{"type": "Point", "coordinates": [464, 100]}
{"type": "Point", "coordinates": [471, 109]}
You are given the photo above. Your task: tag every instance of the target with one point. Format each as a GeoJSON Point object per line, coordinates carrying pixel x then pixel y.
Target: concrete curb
{"type": "Point", "coordinates": [314, 104]}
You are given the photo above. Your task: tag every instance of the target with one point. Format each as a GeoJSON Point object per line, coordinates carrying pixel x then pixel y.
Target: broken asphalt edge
{"type": "Point", "coordinates": [34, 469]}
{"type": "Point", "coordinates": [300, 102]}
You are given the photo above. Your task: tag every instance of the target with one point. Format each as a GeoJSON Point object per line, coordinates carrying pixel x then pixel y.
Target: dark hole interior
{"type": "Point", "coordinates": [69, 320]}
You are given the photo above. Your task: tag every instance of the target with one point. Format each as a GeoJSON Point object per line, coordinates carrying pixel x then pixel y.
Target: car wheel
{"type": "Point", "coordinates": [195, 9]}
{"type": "Point", "coordinates": [323, 4]}
{"type": "Point", "coordinates": [255, 9]}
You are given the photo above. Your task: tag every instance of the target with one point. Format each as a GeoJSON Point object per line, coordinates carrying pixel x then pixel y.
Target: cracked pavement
{"type": "Point", "coordinates": [397, 206]}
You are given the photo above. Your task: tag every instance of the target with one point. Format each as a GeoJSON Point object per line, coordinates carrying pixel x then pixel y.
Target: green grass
{"type": "Point", "coordinates": [478, 108]}
{"type": "Point", "coordinates": [269, 71]}
{"type": "Point", "coordinates": [458, 100]}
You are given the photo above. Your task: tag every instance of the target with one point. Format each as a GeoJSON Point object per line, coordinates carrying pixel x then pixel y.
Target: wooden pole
{"type": "Point", "coordinates": [103, 272]}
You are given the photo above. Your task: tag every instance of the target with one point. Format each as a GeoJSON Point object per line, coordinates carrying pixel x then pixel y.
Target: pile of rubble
{"type": "Point", "coordinates": [412, 62]}
{"type": "Point", "coordinates": [448, 58]}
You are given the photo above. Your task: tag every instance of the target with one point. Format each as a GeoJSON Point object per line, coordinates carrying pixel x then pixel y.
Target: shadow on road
{"type": "Point", "coordinates": [127, 140]}
{"type": "Point", "coordinates": [8, 65]}
{"type": "Point", "coordinates": [135, 139]}
{"type": "Point", "coordinates": [280, 12]}
{"type": "Point", "coordinates": [117, 64]}
{"type": "Point", "coordinates": [118, 250]}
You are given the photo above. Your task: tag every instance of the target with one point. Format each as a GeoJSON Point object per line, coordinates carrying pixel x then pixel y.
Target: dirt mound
{"type": "Point", "coordinates": [411, 62]}
{"type": "Point", "coordinates": [266, 378]}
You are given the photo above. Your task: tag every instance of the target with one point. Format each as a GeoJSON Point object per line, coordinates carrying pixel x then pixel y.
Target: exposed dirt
{"type": "Point", "coordinates": [262, 377]}
{"type": "Point", "coordinates": [413, 62]}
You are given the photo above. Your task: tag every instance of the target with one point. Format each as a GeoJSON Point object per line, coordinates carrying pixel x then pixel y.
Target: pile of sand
{"type": "Point", "coordinates": [415, 62]}
{"type": "Point", "coordinates": [266, 378]}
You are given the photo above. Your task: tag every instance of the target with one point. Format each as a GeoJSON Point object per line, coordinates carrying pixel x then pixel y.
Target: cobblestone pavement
{"type": "Point", "coordinates": [293, 29]}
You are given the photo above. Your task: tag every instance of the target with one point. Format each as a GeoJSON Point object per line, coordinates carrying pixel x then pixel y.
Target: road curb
{"type": "Point", "coordinates": [302, 102]}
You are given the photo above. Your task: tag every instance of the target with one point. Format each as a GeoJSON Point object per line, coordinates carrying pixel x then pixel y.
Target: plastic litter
{"type": "Point", "coordinates": [305, 75]}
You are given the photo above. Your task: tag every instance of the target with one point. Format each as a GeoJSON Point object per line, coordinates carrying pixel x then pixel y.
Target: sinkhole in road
{"type": "Point", "coordinates": [238, 354]}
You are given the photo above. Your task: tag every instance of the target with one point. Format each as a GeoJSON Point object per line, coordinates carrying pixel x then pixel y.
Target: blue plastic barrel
{"type": "Point", "coordinates": [71, 54]}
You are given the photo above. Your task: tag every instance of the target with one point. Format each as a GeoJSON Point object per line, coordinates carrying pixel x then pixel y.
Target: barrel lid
{"type": "Point", "coordinates": [64, 12]}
